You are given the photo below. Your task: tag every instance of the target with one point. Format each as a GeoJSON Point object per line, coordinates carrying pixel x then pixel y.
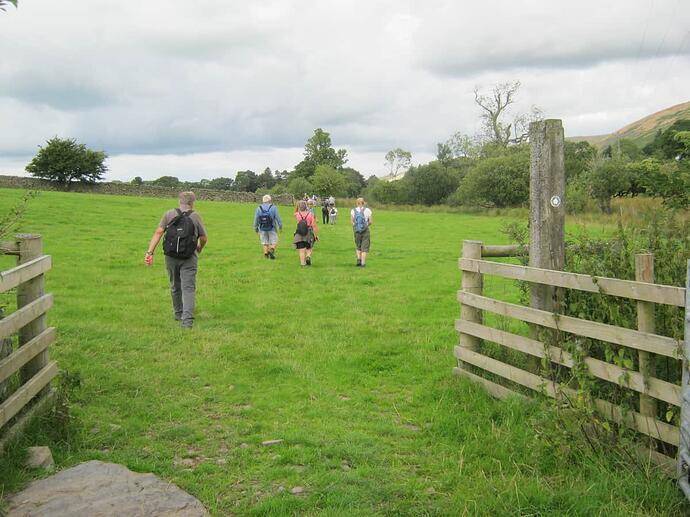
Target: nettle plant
{"type": "Point", "coordinates": [666, 235]}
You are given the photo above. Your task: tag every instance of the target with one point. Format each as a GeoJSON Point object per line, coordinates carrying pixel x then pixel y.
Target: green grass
{"type": "Point", "coordinates": [350, 367]}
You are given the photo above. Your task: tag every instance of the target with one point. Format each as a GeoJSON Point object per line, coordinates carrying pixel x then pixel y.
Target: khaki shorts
{"type": "Point", "coordinates": [362, 240]}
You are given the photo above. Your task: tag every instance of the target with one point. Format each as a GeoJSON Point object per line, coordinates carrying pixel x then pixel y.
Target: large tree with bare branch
{"type": "Point", "coordinates": [495, 109]}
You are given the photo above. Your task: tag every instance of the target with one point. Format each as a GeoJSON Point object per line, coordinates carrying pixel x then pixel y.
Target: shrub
{"type": "Point", "coordinates": [298, 186]}
{"type": "Point", "coordinates": [608, 177]}
{"type": "Point", "coordinates": [501, 181]}
{"type": "Point", "coordinates": [327, 181]}
{"type": "Point", "coordinates": [430, 184]}
{"type": "Point", "coordinates": [393, 192]}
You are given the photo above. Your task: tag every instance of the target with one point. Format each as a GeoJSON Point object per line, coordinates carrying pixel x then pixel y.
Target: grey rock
{"type": "Point", "coordinates": [103, 489]}
{"type": "Point", "coordinates": [40, 458]}
{"type": "Point", "coordinates": [298, 490]}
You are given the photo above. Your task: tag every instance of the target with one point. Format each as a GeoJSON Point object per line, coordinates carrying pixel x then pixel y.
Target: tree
{"type": "Point", "coordinates": [319, 151]}
{"type": "Point", "coordinates": [495, 107]}
{"type": "Point", "coordinates": [221, 183]}
{"type": "Point", "coordinates": [354, 182]}
{"type": "Point", "coordinates": [459, 145]}
{"type": "Point", "coordinates": [245, 181]}
{"type": "Point", "coordinates": [394, 192]}
{"type": "Point", "coordinates": [328, 182]}
{"type": "Point", "coordinates": [299, 186]}
{"type": "Point", "coordinates": [623, 147]}
{"type": "Point", "coordinates": [166, 181]}
{"type": "Point", "coordinates": [499, 181]}
{"type": "Point", "coordinates": [578, 158]}
{"type": "Point", "coordinates": [65, 161]}
{"type": "Point", "coordinates": [607, 178]}
{"type": "Point", "coordinates": [266, 179]}
{"type": "Point", "coordinates": [137, 180]}
{"type": "Point", "coordinates": [398, 160]}
{"type": "Point", "coordinates": [665, 144]}
{"type": "Point", "coordinates": [430, 184]}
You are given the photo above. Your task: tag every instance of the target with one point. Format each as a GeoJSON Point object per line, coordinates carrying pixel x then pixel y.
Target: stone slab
{"type": "Point", "coordinates": [102, 489]}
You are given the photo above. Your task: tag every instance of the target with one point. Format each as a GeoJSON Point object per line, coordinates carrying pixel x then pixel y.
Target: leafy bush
{"type": "Point", "coordinates": [327, 181]}
{"type": "Point", "coordinates": [577, 198]}
{"type": "Point", "coordinates": [299, 186]}
{"type": "Point", "coordinates": [431, 184]}
{"type": "Point", "coordinates": [389, 192]}
{"type": "Point", "coordinates": [501, 181]}
{"type": "Point", "coordinates": [607, 178]}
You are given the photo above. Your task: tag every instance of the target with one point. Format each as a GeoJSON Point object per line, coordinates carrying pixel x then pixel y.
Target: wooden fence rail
{"type": "Point", "coordinates": [25, 372]}
{"type": "Point", "coordinates": [490, 372]}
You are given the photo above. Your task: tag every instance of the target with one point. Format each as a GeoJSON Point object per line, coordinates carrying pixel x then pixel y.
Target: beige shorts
{"type": "Point", "coordinates": [362, 240]}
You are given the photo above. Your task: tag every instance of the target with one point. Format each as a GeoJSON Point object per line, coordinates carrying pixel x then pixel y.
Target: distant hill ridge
{"type": "Point", "coordinates": [642, 131]}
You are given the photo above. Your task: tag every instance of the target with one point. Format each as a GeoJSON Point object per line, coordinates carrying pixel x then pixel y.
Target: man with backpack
{"type": "Point", "coordinates": [266, 224]}
{"type": "Point", "coordinates": [360, 216]}
{"type": "Point", "coordinates": [185, 237]}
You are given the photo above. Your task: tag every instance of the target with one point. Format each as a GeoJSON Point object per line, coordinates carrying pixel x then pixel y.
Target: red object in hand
{"type": "Point", "coordinates": [148, 259]}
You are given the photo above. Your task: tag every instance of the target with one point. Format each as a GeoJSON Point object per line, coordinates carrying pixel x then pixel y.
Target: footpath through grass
{"type": "Point", "coordinates": [351, 368]}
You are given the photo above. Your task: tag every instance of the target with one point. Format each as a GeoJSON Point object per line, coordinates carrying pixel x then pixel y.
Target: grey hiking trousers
{"type": "Point", "coordinates": [182, 274]}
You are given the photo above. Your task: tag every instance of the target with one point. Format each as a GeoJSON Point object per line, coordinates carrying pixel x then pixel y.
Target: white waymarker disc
{"type": "Point", "coordinates": [555, 201]}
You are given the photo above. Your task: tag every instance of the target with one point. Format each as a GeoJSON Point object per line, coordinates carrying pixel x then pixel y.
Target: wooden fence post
{"type": "Point", "coordinates": [471, 283]}
{"type": "Point", "coordinates": [31, 247]}
{"type": "Point", "coordinates": [644, 272]}
{"type": "Point", "coordinates": [546, 214]}
{"type": "Point", "coordinates": [684, 448]}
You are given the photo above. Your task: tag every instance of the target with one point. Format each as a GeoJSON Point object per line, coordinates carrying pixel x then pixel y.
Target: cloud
{"type": "Point", "coordinates": [555, 35]}
{"type": "Point", "coordinates": [175, 78]}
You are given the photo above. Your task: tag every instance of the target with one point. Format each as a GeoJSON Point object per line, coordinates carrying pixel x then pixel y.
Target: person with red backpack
{"type": "Point", "coordinates": [306, 234]}
{"type": "Point", "coordinates": [185, 237]}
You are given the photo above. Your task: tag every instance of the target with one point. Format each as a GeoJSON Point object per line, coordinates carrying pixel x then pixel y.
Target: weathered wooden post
{"type": "Point", "coordinates": [547, 212]}
{"type": "Point", "coordinates": [644, 272]}
{"type": "Point", "coordinates": [684, 448]}
{"type": "Point", "coordinates": [31, 247]}
{"type": "Point", "coordinates": [471, 283]}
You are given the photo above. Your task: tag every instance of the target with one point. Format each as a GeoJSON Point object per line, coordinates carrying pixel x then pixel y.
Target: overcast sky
{"type": "Point", "coordinates": [202, 89]}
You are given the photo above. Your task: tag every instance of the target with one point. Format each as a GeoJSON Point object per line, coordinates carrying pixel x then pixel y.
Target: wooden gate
{"type": "Point", "coordinates": [25, 370]}
{"type": "Point", "coordinates": [493, 374]}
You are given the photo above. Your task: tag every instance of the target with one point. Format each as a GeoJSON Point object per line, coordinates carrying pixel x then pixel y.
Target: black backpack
{"type": "Point", "coordinates": [180, 236]}
{"type": "Point", "coordinates": [303, 226]}
{"type": "Point", "coordinates": [265, 219]}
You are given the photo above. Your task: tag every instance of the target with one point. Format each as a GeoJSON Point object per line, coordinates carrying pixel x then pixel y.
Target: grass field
{"type": "Point", "coordinates": [350, 367]}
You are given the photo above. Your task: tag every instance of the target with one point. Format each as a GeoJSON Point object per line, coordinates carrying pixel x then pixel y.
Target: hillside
{"type": "Point", "coordinates": [642, 131]}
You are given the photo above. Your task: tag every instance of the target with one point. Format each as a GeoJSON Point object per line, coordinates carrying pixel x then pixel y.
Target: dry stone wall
{"type": "Point", "coordinates": [127, 189]}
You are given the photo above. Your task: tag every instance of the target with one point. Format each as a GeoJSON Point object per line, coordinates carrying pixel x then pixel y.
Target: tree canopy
{"type": "Point", "coordinates": [63, 160]}
{"type": "Point", "coordinates": [319, 151]}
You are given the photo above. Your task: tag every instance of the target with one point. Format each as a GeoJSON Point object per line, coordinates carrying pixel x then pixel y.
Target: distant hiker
{"type": "Point", "coordinates": [360, 216]}
{"type": "Point", "coordinates": [331, 201]}
{"type": "Point", "coordinates": [333, 214]}
{"type": "Point", "coordinates": [266, 224]}
{"type": "Point", "coordinates": [306, 234]}
{"type": "Point", "coordinates": [310, 206]}
{"type": "Point", "coordinates": [185, 237]}
{"type": "Point", "coordinates": [324, 211]}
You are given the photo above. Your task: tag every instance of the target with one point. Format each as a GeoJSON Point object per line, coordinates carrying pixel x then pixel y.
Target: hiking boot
{"type": "Point", "coordinates": [266, 255]}
{"type": "Point", "coordinates": [272, 255]}
{"type": "Point", "coordinates": [359, 262]}
{"type": "Point", "coordinates": [363, 265]}
{"type": "Point", "coordinates": [308, 260]}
